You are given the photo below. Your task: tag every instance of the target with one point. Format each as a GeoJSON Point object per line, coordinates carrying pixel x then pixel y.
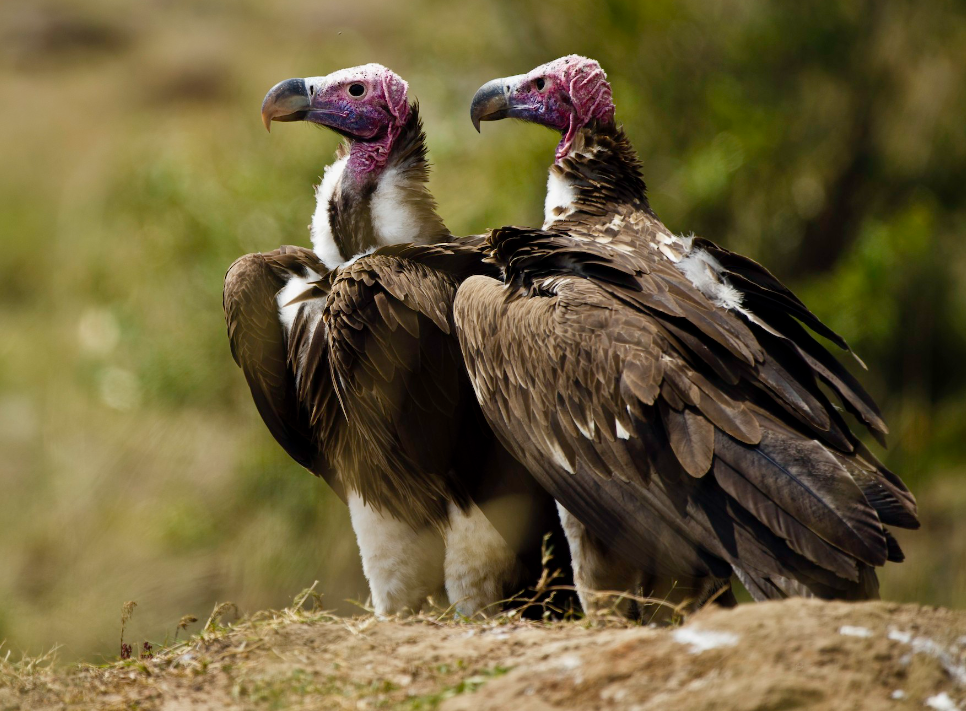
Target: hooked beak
{"type": "Point", "coordinates": [492, 102]}
{"type": "Point", "coordinates": [286, 101]}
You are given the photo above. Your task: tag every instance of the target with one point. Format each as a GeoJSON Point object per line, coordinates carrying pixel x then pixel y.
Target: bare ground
{"type": "Point", "coordinates": [789, 655]}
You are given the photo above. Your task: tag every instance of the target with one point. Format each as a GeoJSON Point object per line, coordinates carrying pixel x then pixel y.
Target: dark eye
{"type": "Point", "coordinates": [540, 84]}
{"type": "Point", "coordinates": [357, 90]}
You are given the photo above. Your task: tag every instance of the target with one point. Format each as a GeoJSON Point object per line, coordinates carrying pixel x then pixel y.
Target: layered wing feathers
{"type": "Point", "coordinates": [682, 420]}
{"type": "Point", "coordinates": [400, 376]}
{"type": "Point", "coordinates": [305, 429]}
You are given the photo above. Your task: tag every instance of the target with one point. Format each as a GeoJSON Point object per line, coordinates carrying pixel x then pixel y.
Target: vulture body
{"type": "Point", "coordinates": [351, 357]}
{"type": "Point", "coordinates": [663, 389]}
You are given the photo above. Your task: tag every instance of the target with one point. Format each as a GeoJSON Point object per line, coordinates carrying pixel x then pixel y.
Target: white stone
{"type": "Point", "coordinates": [942, 702]}
{"type": "Point", "coordinates": [702, 640]}
{"type": "Point", "coordinates": [850, 631]}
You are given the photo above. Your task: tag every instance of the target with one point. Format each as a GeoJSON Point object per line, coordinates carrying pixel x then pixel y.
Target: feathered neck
{"type": "Point", "coordinates": [600, 172]}
{"type": "Point", "coordinates": [360, 211]}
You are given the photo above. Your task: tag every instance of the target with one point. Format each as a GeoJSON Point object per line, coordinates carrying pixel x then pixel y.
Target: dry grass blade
{"type": "Point", "coordinates": [127, 611]}
{"type": "Point", "coordinates": [183, 624]}
{"type": "Point", "coordinates": [305, 595]}
{"type": "Point", "coordinates": [220, 609]}
{"type": "Point", "coordinates": [26, 672]}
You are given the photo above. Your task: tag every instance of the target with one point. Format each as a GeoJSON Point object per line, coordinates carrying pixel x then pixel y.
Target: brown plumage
{"type": "Point", "coordinates": [366, 386]}
{"type": "Point", "coordinates": [260, 347]}
{"type": "Point", "coordinates": [666, 393]}
{"type": "Point", "coordinates": [389, 354]}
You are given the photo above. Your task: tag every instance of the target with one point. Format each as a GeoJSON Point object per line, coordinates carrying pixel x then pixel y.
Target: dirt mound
{"type": "Point", "coordinates": [788, 655]}
{"type": "Point", "coordinates": [801, 654]}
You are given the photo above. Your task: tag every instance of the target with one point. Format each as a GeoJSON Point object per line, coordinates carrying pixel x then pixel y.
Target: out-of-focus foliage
{"type": "Point", "coordinates": [825, 139]}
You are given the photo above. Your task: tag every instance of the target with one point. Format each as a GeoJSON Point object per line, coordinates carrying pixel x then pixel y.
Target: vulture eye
{"type": "Point", "coordinates": [540, 84]}
{"type": "Point", "coordinates": [357, 90]}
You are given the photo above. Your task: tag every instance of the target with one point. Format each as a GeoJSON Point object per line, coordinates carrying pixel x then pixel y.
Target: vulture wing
{"type": "Point", "coordinates": [271, 360]}
{"type": "Point", "coordinates": [775, 305]}
{"type": "Point", "coordinates": [400, 376]}
{"type": "Point", "coordinates": [667, 424]}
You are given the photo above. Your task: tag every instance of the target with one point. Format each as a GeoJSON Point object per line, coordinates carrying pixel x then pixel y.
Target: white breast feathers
{"type": "Point", "coordinates": [560, 199]}
{"type": "Point", "coordinates": [393, 216]}
{"type": "Point", "coordinates": [321, 229]}
{"type": "Point", "coordinates": [294, 288]}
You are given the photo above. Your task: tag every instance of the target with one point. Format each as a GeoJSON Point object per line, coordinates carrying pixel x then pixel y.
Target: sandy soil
{"type": "Point", "coordinates": [790, 655]}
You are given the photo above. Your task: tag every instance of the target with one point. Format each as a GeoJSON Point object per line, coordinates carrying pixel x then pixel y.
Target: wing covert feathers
{"type": "Point", "coordinates": [259, 347]}
{"type": "Point", "coordinates": [691, 437]}
{"type": "Point", "coordinates": [399, 373]}
{"type": "Point", "coordinates": [688, 434]}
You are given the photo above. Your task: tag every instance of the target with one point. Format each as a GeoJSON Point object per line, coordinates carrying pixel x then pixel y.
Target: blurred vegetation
{"type": "Point", "coordinates": [825, 139]}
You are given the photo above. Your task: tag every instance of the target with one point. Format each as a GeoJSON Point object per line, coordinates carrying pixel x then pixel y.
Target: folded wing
{"type": "Point", "coordinates": [399, 373]}
{"type": "Point", "coordinates": [695, 438]}
{"type": "Point", "coordinates": [273, 360]}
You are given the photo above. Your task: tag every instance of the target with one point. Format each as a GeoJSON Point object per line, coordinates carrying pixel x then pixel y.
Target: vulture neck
{"type": "Point", "coordinates": [359, 210]}
{"type": "Point", "coordinates": [598, 178]}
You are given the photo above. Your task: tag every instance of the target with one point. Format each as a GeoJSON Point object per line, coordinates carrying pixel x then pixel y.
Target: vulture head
{"type": "Point", "coordinates": [375, 193]}
{"type": "Point", "coordinates": [368, 105]}
{"type": "Point", "coordinates": [565, 95]}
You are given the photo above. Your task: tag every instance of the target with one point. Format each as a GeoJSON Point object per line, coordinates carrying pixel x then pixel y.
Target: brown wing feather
{"type": "Point", "coordinates": [400, 374]}
{"type": "Point", "coordinates": [601, 345]}
{"type": "Point", "coordinates": [691, 437]}
{"type": "Point", "coordinates": [397, 384]}
{"type": "Point", "coordinates": [259, 347]}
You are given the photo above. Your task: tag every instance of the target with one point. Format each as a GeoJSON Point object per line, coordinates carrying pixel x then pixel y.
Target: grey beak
{"type": "Point", "coordinates": [286, 101]}
{"type": "Point", "coordinates": [491, 102]}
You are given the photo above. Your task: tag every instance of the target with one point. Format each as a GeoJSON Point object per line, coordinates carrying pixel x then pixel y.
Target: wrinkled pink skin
{"type": "Point", "coordinates": [575, 93]}
{"type": "Point", "coordinates": [372, 122]}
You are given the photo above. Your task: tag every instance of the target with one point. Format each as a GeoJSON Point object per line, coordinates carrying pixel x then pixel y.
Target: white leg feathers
{"type": "Point", "coordinates": [597, 570]}
{"type": "Point", "coordinates": [403, 566]}
{"type": "Point", "coordinates": [479, 564]}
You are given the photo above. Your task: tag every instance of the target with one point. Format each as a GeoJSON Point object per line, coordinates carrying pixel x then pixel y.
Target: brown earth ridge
{"type": "Point", "coordinates": [796, 654]}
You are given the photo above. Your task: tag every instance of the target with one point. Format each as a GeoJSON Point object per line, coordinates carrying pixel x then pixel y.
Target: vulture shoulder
{"type": "Point", "coordinates": [669, 424]}
{"type": "Point", "coordinates": [271, 357]}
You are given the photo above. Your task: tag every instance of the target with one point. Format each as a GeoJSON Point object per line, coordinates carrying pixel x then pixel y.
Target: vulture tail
{"type": "Point", "coordinates": [808, 486]}
{"type": "Point", "coordinates": [827, 507]}
{"type": "Point", "coordinates": [895, 552]}
{"type": "Point", "coordinates": [775, 587]}
{"type": "Point", "coordinates": [889, 488]}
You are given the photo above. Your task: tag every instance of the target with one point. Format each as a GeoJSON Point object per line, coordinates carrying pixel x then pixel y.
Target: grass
{"type": "Point", "coordinates": [465, 686]}
{"type": "Point", "coordinates": [304, 657]}
{"type": "Point", "coordinates": [136, 169]}
{"type": "Point", "coordinates": [233, 654]}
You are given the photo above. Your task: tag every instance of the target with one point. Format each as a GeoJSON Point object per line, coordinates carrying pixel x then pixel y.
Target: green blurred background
{"type": "Point", "coordinates": [825, 139]}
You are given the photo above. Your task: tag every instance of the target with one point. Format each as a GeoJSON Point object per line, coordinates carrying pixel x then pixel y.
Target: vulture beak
{"type": "Point", "coordinates": [286, 101]}
{"type": "Point", "coordinates": [492, 102]}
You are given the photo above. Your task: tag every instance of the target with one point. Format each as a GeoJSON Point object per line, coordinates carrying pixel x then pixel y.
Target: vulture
{"type": "Point", "coordinates": [351, 356]}
{"type": "Point", "coordinates": [671, 395]}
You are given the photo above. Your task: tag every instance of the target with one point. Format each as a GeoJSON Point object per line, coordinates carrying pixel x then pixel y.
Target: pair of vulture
{"type": "Point", "coordinates": [657, 400]}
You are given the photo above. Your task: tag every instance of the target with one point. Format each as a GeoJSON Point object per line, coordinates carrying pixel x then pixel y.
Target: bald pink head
{"type": "Point", "coordinates": [368, 104]}
{"type": "Point", "coordinates": [565, 94]}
